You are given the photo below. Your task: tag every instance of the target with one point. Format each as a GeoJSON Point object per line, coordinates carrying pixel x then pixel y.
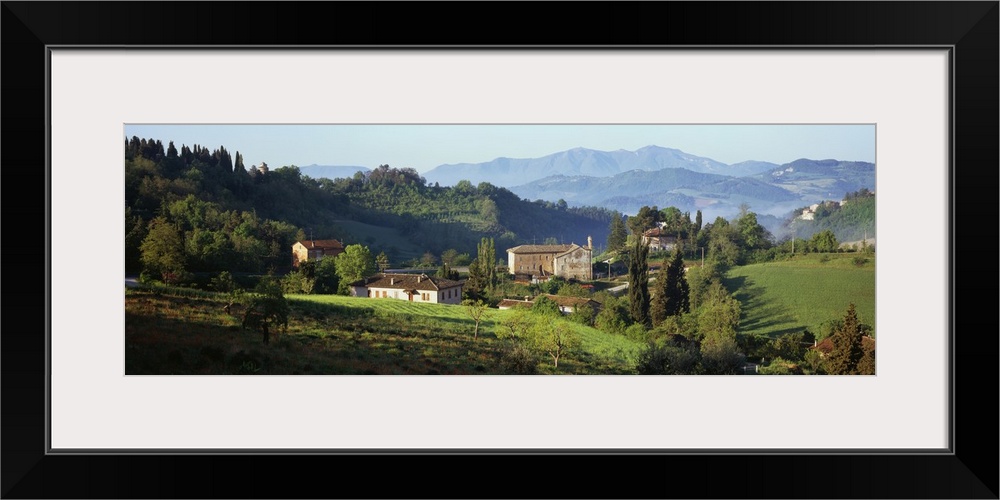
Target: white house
{"type": "Point", "coordinates": [409, 287]}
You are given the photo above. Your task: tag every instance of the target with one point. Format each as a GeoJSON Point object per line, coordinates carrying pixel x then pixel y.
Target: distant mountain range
{"type": "Point", "coordinates": [627, 180]}
{"type": "Point", "coordinates": [331, 171]}
{"type": "Point", "coordinates": [678, 187]}
{"type": "Point", "coordinates": [507, 172]}
{"type": "Point", "coordinates": [775, 192]}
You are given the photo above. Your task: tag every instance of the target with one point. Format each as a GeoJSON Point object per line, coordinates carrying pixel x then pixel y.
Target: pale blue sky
{"type": "Point", "coordinates": [424, 147]}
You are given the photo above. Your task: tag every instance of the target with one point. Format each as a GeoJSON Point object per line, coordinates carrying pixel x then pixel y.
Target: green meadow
{"type": "Point", "coordinates": [802, 292]}
{"type": "Point", "coordinates": [178, 332]}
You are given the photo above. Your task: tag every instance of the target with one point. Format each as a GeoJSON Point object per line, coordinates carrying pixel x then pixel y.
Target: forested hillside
{"type": "Point", "coordinates": [208, 210]}
{"type": "Point", "coordinates": [851, 222]}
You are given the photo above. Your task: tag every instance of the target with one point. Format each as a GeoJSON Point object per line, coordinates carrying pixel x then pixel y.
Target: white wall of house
{"type": "Point", "coordinates": [451, 295]}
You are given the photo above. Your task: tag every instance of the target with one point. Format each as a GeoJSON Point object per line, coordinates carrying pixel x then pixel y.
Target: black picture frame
{"type": "Point", "coordinates": [970, 28]}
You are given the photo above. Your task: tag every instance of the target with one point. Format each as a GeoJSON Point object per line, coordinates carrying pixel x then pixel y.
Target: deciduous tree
{"type": "Point", "coordinates": [824, 241]}
{"type": "Point", "coordinates": [163, 250]}
{"type": "Point", "coordinates": [475, 309]}
{"type": "Point", "coordinates": [353, 264]}
{"type": "Point", "coordinates": [382, 261]}
{"type": "Point", "coordinates": [267, 308]}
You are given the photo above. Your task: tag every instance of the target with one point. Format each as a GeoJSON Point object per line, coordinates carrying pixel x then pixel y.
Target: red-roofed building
{"type": "Point", "coordinates": [658, 239]}
{"type": "Point", "coordinates": [542, 261]}
{"type": "Point", "coordinates": [312, 250]}
{"type": "Point", "coordinates": [409, 287]}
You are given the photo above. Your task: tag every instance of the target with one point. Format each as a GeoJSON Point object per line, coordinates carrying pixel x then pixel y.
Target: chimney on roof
{"type": "Point", "coordinates": [392, 281]}
{"type": "Point", "coordinates": [420, 278]}
{"type": "Point", "coordinates": [590, 242]}
{"type": "Point", "coordinates": [527, 298]}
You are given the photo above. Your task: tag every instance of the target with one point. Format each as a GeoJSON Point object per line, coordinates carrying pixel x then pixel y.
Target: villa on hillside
{"type": "Point", "coordinates": [810, 212]}
{"type": "Point", "coordinates": [658, 240]}
{"type": "Point", "coordinates": [313, 250]}
{"type": "Point", "coordinates": [542, 261]}
{"type": "Point", "coordinates": [409, 287]}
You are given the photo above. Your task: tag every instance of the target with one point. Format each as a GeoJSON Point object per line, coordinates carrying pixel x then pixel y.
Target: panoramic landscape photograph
{"type": "Point", "coordinates": [548, 249]}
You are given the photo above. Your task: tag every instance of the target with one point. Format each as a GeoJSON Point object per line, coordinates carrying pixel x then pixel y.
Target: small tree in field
{"type": "Point", "coordinates": [267, 308]}
{"type": "Point", "coordinates": [554, 338]}
{"type": "Point", "coordinates": [475, 309]}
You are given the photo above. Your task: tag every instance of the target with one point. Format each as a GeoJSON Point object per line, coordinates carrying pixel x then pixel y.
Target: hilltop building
{"type": "Point", "coordinates": [542, 261]}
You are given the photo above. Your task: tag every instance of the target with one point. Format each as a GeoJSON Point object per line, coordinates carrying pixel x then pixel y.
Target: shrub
{"type": "Point", "coordinates": [668, 358]}
{"type": "Point", "coordinates": [637, 332]}
{"type": "Point", "coordinates": [780, 366]}
{"type": "Point", "coordinates": [518, 359]}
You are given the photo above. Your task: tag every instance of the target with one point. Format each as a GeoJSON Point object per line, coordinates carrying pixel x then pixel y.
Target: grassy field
{"type": "Point", "coordinates": [188, 333]}
{"type": "Point", "coordinates": [801, 293]}
{"type": "Point", "coordinates": [598, 347]}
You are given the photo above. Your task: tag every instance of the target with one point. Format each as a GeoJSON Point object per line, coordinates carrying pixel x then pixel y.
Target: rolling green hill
{"type": "Point", "coordinates": [802, 293]}
{"type": "Point", "coordinates": [178, 331]}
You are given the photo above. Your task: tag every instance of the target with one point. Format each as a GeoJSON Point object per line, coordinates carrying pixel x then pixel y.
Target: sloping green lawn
{"type": "Point", "coordinates": [802, 293]}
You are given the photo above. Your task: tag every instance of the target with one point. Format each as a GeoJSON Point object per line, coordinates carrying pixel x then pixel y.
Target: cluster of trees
{"type": "Point", "coordinates": [191, 235]}
{"type": "Point", "coordinates": [433, 218]}
{"type": "Point", "coordinates": [485, 273]}
{"type": "Point", "coordinates": [850, 355]}
{"type": "Point", "coordinates": [744, 239]}
{"type": "Point", "coordinates": [731, 243]}
{"type": "Point", "coordinates": [332, 275]}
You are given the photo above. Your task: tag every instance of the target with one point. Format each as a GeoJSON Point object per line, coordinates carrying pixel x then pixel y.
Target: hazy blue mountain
{"type": "Point", "coordinates": [507, 172]}
{"type": "Point", "coordinates": [331, 171]}
{"type": "Point", "coordinates": [685, 189]}
{"type": "Point", "coordinates": [751, 167]}
{"type": "Point", "coordinates": [815, 180]}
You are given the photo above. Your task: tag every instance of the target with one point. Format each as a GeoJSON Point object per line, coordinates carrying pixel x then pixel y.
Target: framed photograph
{"type": "Point", "coordinates": [926, 90]}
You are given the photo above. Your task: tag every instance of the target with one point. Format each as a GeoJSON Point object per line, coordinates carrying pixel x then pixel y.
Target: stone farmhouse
{"type": "Point", "coordinates": [542, 261]}
{"type": "Point", "coordinates": [658, 240]}
{"type": "Point", "coordinates": [566, 305]}
{"type": "Point", "coordinates": [409, 287]}
{"type": "Point", "coordinates": [312, 250]}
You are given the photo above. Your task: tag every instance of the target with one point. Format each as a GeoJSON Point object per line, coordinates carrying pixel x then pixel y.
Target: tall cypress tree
{"type": "Point", "coordinates": [847, 351]}
{"type": "Point", "coordinates": [618, 233]}
{"type": "Point", "coordinates": [486, 267]}
{"type": "Point", "coordinates": [671, 297]}
{"type": "Point", "coordinates": [638, 281]}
